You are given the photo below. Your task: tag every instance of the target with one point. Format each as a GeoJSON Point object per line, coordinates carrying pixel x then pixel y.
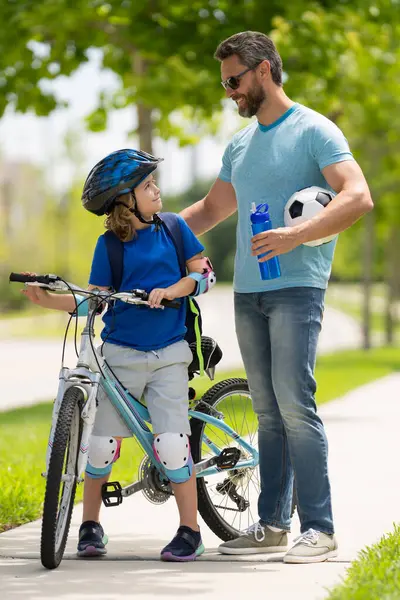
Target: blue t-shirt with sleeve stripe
{"type": "Point", "coordinates": [268, 164]}
{"type": "Point", "coordinates": [150, 261]}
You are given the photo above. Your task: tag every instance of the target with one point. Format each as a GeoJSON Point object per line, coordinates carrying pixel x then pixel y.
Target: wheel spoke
{"type": "Point", "coordinates": [220, 509]}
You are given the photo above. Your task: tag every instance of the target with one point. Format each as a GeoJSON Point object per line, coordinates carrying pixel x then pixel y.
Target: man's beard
{"type": "Point", "coordinates": [253, 99]}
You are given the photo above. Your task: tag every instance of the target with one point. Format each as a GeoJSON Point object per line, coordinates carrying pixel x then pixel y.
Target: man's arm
{"type": "Point", "coordinates": [219, 204]}
{"type": "Point", "coordinates": [352, 201]}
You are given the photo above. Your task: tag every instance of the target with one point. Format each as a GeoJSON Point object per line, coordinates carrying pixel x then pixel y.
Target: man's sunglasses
{"type": "Point", "coordinates": [233, 82]}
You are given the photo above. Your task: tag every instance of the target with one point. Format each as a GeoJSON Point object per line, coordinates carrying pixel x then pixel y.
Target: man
{"type": "Point", "coordinates": [289, 147]}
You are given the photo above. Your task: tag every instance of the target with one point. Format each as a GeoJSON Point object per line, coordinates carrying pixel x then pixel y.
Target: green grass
{"type": "Point", "coordinates": [23, 432]}
{"type": "Point", "coordinates": [23, 442]}
{"type": "Point", "coordinates": [375, 575]}
{"type": "Point", "coordinates": [340, 372]}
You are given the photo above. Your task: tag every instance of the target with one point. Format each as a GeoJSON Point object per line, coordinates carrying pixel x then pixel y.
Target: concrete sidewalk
{"type": "Point", "coordinates": [362, 429]}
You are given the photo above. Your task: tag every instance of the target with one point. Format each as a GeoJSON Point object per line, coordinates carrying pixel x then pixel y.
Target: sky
{"type": "Point", "coordinates": [40, 140]}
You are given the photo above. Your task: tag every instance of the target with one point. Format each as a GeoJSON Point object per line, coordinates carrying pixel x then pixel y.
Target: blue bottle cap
{"type": "Point", "coordinates": [260, 213]}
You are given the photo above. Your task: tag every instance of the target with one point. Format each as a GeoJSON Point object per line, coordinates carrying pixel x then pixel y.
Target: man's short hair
{"type": "Point", "coordinates": [252, 47]}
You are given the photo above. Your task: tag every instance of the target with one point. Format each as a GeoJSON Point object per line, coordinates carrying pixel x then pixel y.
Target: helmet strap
{"type": "Point", "coordinates": [134, 210]}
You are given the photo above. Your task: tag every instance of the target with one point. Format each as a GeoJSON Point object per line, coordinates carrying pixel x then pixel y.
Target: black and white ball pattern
{"type": "Point", "coordinates": [305, 204]}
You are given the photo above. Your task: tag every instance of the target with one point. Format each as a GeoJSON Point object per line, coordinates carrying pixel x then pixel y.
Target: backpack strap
{"type": "Point", "coordinates": [115, 251]}
{"type": "Point", "coordinates": [172, 227]}
{"type": "Point", "coordinates": [115, 248]}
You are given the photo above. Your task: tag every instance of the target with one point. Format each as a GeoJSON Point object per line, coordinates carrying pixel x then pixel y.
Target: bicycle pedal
{"type": "Point", "coordinates": [111, 493]}
{"type": "Point", "coordinates": [228, 458]}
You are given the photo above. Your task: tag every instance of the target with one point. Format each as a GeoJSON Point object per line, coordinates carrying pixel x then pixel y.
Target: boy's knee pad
{"type": "Point", "coordinates": [103, 452]}
{"type": "Point", "coordinates": [173, 452]}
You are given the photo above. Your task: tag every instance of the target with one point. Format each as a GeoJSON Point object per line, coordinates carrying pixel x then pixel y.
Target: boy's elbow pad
{"type": "Point", "coordinates": [205, 280]}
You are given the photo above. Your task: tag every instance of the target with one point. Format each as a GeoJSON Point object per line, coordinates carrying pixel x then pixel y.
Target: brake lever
{"type": "Point", "coordinates": [140, 294]}
{"type": "Point", "coordinates": [53, 286]}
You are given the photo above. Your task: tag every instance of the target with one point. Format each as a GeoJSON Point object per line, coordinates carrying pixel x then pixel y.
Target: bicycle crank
{"type": "Point", "coordinates": [155, 489]}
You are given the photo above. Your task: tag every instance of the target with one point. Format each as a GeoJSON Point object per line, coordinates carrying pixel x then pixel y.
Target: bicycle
{"type": "Point", "coordinates": [224, 414]}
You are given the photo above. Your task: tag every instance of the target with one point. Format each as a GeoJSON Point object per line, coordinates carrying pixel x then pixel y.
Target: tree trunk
{"type": "Point", "coordinates": [63, 237]}
{"type": "Point", "coordinates": [368, 260]}
{"type": "Point", "coordinates": [5, 208]}
{"type": "Point", "coordinates": [392, 278]}
{"type": "Point", "coordinates": [144, 113]}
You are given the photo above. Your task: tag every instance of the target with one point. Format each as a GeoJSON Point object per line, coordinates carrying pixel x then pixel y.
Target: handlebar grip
{"type": "Point", "coordinates": [171, 303]}
{"type": "Point", "coordinates": [167, 303]}
{"type": "Point", "coordinates": [21, 278]}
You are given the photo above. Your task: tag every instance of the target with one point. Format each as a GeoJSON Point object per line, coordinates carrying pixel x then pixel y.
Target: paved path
{"type": "Point", "coordinates": [362, 429]}
{"type": "Point", "coordinates": [29, 368]}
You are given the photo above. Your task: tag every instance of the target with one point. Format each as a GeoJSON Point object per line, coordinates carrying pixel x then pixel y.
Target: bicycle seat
{"type": "Point", "coordinates": [212, 354]}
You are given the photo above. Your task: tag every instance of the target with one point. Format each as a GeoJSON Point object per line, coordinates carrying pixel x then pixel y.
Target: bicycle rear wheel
{"type": "Point", "coordinates": [61, 479]}
{"type": "Point", "coordinates": [228, 500]}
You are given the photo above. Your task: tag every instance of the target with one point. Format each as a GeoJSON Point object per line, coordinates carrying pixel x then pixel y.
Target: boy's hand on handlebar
{"type": "Point", "coordinates": [159, 294]}
{"type": "Point", "coordinates": [35, 294]}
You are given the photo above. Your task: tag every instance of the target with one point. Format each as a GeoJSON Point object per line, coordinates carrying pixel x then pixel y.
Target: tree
{"type": "Point", "coordinates": [341, 58]}
{"type": "Point", "coordinates": [161, 50]}
{"type": "Point", "coordinates": [354, 78]}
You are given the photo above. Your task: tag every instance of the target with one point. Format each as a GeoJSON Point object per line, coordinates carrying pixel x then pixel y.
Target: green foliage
{"type": "Point", "coordinates": [341, 58]}
{"type": "Point", "coordinates": [161, 51]}
{"type": "Point", "coordinates": [354, 78]}
{"type": "Point", "coordinates": [375, 574]}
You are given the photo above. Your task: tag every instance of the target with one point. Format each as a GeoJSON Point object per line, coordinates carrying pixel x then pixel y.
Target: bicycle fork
{"type": "Point", "coordinates": [88, 382]}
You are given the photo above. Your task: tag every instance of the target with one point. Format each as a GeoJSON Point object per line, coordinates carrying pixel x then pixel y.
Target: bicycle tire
{"type": "Point", "coordinates": [206, 508]}
{"type": "Point", "coordinates": [53, 543]}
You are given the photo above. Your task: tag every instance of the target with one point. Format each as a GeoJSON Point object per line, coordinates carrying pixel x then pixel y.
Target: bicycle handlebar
{"type": "Point", "coordinates": [21, 278]}
{"type": "Point", "coordinates": [55, 283]}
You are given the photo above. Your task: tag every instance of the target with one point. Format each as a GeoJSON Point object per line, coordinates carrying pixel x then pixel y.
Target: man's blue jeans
{"type": "Point", "coordinates": [278, 334]}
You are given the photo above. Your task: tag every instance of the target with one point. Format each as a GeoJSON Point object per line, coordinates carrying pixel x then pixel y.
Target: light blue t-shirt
{"type": "Point", "coordinates": [150, 261]}
{"type": "Point", "coordinates": [268, 164]}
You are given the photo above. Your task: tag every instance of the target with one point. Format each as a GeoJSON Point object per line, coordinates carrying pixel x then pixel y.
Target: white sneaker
{"type": "Point", "coordinates": [312, 547]}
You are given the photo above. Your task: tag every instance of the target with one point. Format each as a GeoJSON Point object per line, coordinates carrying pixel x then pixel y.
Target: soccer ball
{"type": "Point", "coordinates": [305, 204]}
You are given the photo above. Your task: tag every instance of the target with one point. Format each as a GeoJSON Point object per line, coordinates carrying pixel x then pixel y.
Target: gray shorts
{"type": "Point", "coordinates": [159, 377]}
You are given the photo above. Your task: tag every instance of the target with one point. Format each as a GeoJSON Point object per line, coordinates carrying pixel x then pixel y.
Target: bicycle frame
{"type": "Point", "coordinates": [135, 415]}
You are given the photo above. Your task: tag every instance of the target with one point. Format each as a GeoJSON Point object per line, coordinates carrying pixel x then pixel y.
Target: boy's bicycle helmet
{"type": "Point", "coordinates": [116, 174]}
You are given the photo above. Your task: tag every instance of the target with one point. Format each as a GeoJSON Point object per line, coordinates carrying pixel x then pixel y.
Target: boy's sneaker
{"type": "Point", "coordinates": [92, 539]}
{"type": "Point", "coordinates": [256, 539]}
{"type": "Point", "coordinates": [311, 547]}
{"type": "Point", "coordinates": [185, 546]}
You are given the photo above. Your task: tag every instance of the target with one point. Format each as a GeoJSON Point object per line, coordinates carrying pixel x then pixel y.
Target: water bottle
{"type": "Point", "coordinates": [260, 221]}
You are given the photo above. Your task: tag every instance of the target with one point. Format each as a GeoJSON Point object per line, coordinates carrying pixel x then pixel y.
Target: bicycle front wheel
{"type": "Point", "coordinates": [61, 479]}
{"type": "Point", "coordinates": [228, 500]}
